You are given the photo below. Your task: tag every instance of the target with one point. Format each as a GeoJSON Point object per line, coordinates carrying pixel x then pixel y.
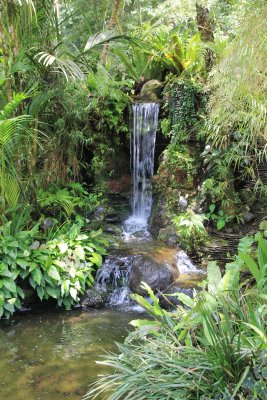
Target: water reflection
{"type": "Point", "coordinates": [52, 356]}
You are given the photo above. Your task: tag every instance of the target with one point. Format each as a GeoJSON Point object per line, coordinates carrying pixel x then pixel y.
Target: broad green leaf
{"type": "Point", "coordinates": [40, 292]}
{"type": "Point", "coordinates": [37, 275]}
{"type": "Point", "coordinates": [53, 273]}
{"type": "Point", "coordinates": [220, 224]}
{"type": "Point", "coordinates": [251, 266]}
{"type": "Point", "coordinates": [96, 259]}
{"type": "Point", "coordinates": [73, 293]}
{"type": "Point", "coordinates": [9, 307]}
{"type": "Point", "coordinates": [79, 251]}
{"type": "Point", "coordinates": [63, 247]}
{"type": "Point", "coordinates": [214, 276]}
{"type": "Point", "coordinates": [52, 292]}
{"type": "Point", "coordinates": [10, 285]}
{"type": "Point", "coordinates": [22, 262]}
{"type": "Point", "coordinates": [72, 272]}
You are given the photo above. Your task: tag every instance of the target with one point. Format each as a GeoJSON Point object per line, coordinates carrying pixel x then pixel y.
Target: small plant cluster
{"type": "Point", "coordinates": [60, 268]}
{"type": "Point", "coordinates": [60, 203]}
{"type": "Point", "coordinates": [219, 188]}
{"type": "Point", "coordinates": [190, 229]}
{"type": "Point", "coordinates": [212, 347]}
{"type": "Point", "coordinates": [220, 218]}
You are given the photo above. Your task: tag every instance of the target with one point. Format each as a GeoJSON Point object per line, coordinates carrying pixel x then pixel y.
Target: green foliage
{"type": "Point", "coordinates": [68, 201]}
{"type": "Point", "coordinates": [183, 102]}
{"type": "Point", "coordinates": [190, 229]}
{"type": "Point", "coordinates": [221, 218]}
{"type": "Point", "coordinates": [167, 48]}
{"type": "Point", "coordinates": [254, 261]}
{"type": "Point", "coordinates": [60, 268]}
{"type": "Point", "coordinates": [213, 347]}
{"type": "Point", "coordinates": [237, 105]}
{"type": "Point", "coordinates": [220, 182]}
{"type": "Point", "coordinates": [177, 171]}
{"type": "Point", "coordinates": [15, 132]}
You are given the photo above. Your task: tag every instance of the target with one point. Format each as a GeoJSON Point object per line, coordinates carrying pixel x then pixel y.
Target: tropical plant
{"type": "Point", "coordinates": [15, 133]}
{"type": "Point", "coordinates": [60, 268]}
{"type": "Point", "coordinates": [190, 229]}
{"type": "Point", "coordinates": [237, 105]}
{"type": "Point", "coordinates": [212, 347]}
{"type": "Point", "coordinates": [178, 57]}
{"type": "Point", "coordinates": [62, 203]}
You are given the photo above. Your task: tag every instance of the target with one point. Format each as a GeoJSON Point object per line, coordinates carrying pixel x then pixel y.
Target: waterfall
{"type": "Point", "coordinates": [143, 138]}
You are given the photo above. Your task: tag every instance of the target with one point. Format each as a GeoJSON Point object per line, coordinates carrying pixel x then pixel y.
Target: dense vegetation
{"type": "Point", "coordinates": [69, 72]}
{"type": "Point", "coordinates": [212, 347]}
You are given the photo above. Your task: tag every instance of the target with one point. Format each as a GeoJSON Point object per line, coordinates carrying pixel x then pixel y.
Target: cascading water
{"type": "Point", "coordinates": [113, 279]}
{"type": "Point", "coordinates": [145, 122]}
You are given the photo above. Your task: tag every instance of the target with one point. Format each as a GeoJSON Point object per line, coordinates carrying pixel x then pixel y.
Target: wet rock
{"type": "Point", "coordinates": [168, 235]}
{"type": "Point", "coordinates": [94, 225]}
{"type": "Point", "coordinates": [47, 224]}
{"type": "Point", "coordinates": [139, 234]}
{"type": "Point", "coordinates": [183, 203]}
{"type": "Point", "coordinates": [184, 263]}
{"type": "Point", "coordinates": [35, 245]}
{"type": "Point", "coordinates": [150, 90]}
{"type": "Point", "coordinates": [113, 218]}
{"type": "Point", "coordinates": [113, 229]}
{"type": "Point", "coordinates": [248, 216]}
{"type": "Point", "coordinates": [248, 196]}
{"type": "Point", "coordinates": [99, 213]}
{"type": "Point", "coordinates": [157, 276]}
{"type": "Point", "coordinates": [93, 299]}
{"type": "Point", "coordinates": [113, 272]}
{"type": "Point", "coordinates": [120, 185]}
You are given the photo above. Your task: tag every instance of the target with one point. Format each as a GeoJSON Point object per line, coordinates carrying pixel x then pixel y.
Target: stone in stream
{"type": "Point", "coordinates": [93, 299]}
{"type": "Point", "coordinates": [157, 275]}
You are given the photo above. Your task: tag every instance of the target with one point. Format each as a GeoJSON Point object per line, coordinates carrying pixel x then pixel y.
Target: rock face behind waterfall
{"type": "Point", "coordinates": [157, 275]}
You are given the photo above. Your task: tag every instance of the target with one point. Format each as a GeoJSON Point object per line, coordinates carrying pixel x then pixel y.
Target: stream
{"type": "Point", "coordinates": [50, 355]}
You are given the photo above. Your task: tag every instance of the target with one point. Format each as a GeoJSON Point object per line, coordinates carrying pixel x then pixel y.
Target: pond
{"type": "Point", "coordinates": [51, 356]}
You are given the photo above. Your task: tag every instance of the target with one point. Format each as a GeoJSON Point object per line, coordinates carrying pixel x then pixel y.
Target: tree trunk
{"type": "Point", "coordinates": [111, 25]}
{"type": "Point", "coordinates": [204, 25]}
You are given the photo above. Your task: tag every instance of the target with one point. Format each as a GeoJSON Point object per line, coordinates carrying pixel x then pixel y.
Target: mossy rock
{"type": "Point", "coordinates": [150, 90]}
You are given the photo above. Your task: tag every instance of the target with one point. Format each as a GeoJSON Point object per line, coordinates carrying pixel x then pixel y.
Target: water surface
{"type": "Point", "coordinates": [51, 356]}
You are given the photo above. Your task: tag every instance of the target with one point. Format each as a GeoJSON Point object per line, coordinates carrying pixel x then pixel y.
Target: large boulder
{"type": "Point", "coordinates": [157, 275]}
{"type": "Point", "coordinates": [150, 90]}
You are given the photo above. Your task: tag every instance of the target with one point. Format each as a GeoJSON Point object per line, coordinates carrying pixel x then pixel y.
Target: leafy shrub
{"type": "Point", "coordinates": [60, 268]}
{"type": "Point", "coordinates": [190, 229]}
{"type": "Point", "coordinates": [64, 202]}
{"type": "Point", "coordinates": [219, 187]}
